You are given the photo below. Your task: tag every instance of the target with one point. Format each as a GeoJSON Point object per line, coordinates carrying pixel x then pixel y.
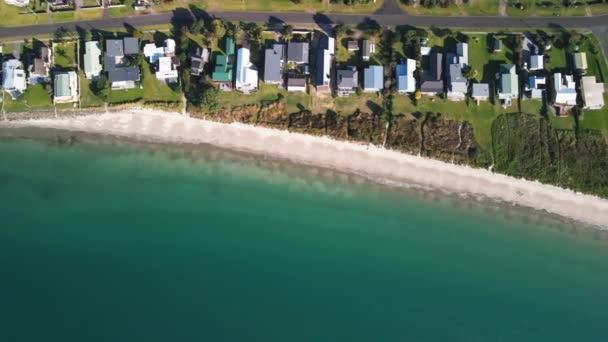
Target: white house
{"type": "Point", "coordinates": [406, 83]}
{"type": "Point", "coordinates": [565, 89]}
{"type": "Point", "coordinates": [166, 71]}
{"type": "Point", "coordinates": [65, 87]}
{"type": "Point", "coordinates": [153, 53]}
{"type": "Point", "coordinates": [18, 3]}
{"type": "Point", "coordinates": [462, 51]}
{"type": "Point", "coordinates": [13, 78]}
{"type": "Point", "coordinates": [536, 63]}
{"type": "Point", "coordinates": [92, 60]}
{"type": "Point", "coordinates": [246, 74]}
{"type": "Point", "coordinates": [593, 93]}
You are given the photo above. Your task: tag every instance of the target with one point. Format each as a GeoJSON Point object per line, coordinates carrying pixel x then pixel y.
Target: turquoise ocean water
{"type": "Point", "coordinates": [109, 241]}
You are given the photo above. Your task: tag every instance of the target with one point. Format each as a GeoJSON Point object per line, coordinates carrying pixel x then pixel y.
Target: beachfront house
{"type": "Point", "coordinates": [296, 83]}
{"type": "Point", "coordinates": [508, 89]}
{"type": "Point", "coordinates": [564, 89]}
{"type": "Point", "coordinates": [535, 87]}
{"type": "Point", "coordinates": [18, 3]}
{"type": "Point", "coordinates": [368, 48]}
{"type": "Point", "coordinates": [458, 85]}
{"type": "Point", "coordinates": [13, 78]}
{"type": "Point", "coordinates": [274, 60]}
{"type": "Point", "coordinates": [297, 52]}
{"type": "Point", "coordinates": [327, 42]}
{"type": "Point", "coordinates": [246, 73]}
{"type": "Point", "coordinates": [222, 73]}
{"type": "Point", "coordinates": [92, 60]}
{"type": "Point", "coordinates": [404, 73]}
{"type": "Point", "coordinates": [373, 78]}
{"type": "Point", "coordinates": [592, 93]}
{"type": "Point", "coordinates": [323, 71]}
{"type": "Point", "coordinates": [481, 92]}
{"type": "Point", "coordinates": [164, 61]}
{"type": "Point", "coordinates": [39, 70]}
{"type": "Point", "coordinates": [65, 88]}
{"type": "Point", "coordinates": [199, 61]}
{"type": "Point", "coordinates": [580, 62]}
{"type": "Point", "coordinates": [432, 82]}
{"type": "Point", "coordinates": [120, 74]}
{"type": "Point", "coordinates": [347, 81]}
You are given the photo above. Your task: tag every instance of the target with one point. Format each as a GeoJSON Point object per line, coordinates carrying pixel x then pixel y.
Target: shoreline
{"type": "Point", "coordinates": [373, 162]}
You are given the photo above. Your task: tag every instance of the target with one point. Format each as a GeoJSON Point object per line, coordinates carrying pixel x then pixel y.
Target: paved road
{"type": "Point", "coordinates": [383, 17]}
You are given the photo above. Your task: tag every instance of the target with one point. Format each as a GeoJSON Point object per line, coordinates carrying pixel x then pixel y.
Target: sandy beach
{"type": "Point", "coordinates": [374, 162]}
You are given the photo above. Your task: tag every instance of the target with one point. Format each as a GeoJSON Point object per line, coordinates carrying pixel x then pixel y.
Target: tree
{"type": "Point", "coordinates": [101, 87]}
{"type": "Point", "coordinates": [469, 72]}
{"type": "Point", "coordinates": [218, 28]}
{"type": "Point", "coordinates": [197, 26]}
{"type": "Point", "coordinates": [287, 32]}
{"type": "Point", "coordinates": [340, 29]}
{"type": "Point", "coordinates": [137, 33]}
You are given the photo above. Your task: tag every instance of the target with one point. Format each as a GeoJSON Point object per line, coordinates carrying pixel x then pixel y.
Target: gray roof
{"type": "Point", "coordinates": [296, 81]}
{"type": "Point", "coordinates": [109, 63]}
{"type": "Point", "coordinates": [458, 83]}
{"type": "Point", "coordinates": [481, 90]}
{"type": "Point", "coordinates": [431, 87]}
{"type": "Point", "coordinates": [320, 67]}
{"type": "Point", "coordinates": [273, 62]}
{"type": "Point", "coordinates": [366, 48]}
{"type": "Point", "coordinates": [348, 78]}
{"type": "Point", "coordinates": [124, 74]}
{"type": "Point", "coordinates": [131, 45]}
{"type": "Point", "coordinates": [435, 67]}
{"type": "Point", "coordinates": [297, 52]}
{"type": "Point", "coordinates": [114, 47]}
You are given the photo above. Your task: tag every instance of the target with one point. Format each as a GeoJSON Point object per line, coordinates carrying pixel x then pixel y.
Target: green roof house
{"type": "Point", "coordinates": [65, 87]}
{"type": "Point", "coordinates": [509, 84]}
{"type": "Point", "coordinates": [580, 61]}
{"type": "Point", "coordinates": [224, 64]}
{"type": "Point", "coordinates": [92, 59]}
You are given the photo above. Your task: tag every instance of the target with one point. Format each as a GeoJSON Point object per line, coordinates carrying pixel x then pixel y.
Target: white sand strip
{"type": "Point", "coordinates": [374, 162]}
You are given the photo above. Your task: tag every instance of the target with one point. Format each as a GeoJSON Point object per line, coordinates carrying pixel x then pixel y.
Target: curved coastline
{"type": "Point", "coordinates": [371, 161]}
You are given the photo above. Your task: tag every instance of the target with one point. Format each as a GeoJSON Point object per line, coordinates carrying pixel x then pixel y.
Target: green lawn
{"type": "Point", "coordinates": [557, 60]}
{"type": "Point", "coordinates": [291, 6]}
{"type": "Point", "coordinates": [597, 119]}
{"type": "Point", "coordinates": [267, 92]}
{"type": "Point", "coordinates": [596, 62]}
{"type": "Point", "coordinates": [126, 95]}
{"type": "Point", "coordinates": [472, 8]}
{"type": "Point", "coordinates": [87, 97]}
{"type": "Point", "coordinates": [16, 16]}
{"type": "Point", "coordinates": [366, 102]}
{"type": "Point", "coordinates": [157, 91]}
{"type": "Point", "coordinates": [543, 8]}
{"type": "Point", "coordinates": [34, 98]}
{"type": "Point", "coordinates": [65, 55]}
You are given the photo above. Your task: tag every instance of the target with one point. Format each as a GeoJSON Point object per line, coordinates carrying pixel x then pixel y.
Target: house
{"type": "Point", "coordinates": [352, 45]}
{"type": "Point", "coordinates": [404, 73]}
{"type": "Point", "coordinates": [592, 93]}
{"type": "Point", "coordinates": [297, 52]}
{"type": "Point", "coordinates": [432, 82]}
{"type": "Point", "coordinates": [536, 62]}
{"type": "Point", "coordinates": [497, 44]}
{"type": "Point", "coordinates": [274, 60]}
{"type": "Point", "coordinates": [199, 61]}
{"type": "Point", "coordinates": [166, 70]}
{"type": "Point", "coordinates": [580, 62]}
{"type": "Point", "coordinates": [65, 88]}
{"type": "Point", "coordinates": [120, 75]}
{"type": "Point", "coordinates": [92, 59]}
{"type": "Point", "coordinates": [481, 92]}
{"type": "Point", "coordinates": [509, 84]}
{"type": "Point", "coordinates": [296, 83]}
{"type": "Point", "coordinates": [13, 78]}
{"type": "Point", "coordinates": [462, 52]}
{"type": "Point", "coordinates": [328, 43]}
{"type": "Point", "coordinates": [246, 73]}
{"type": "Point", "coordinates": [56, 5]}
{"type": "Point", "coordinates": [39, 70]}
{"type": "Point", "coordinates": [535, 87]}
{"type": "Point", "coordinates": [323, 71]}
{"type": "Point", "coordinates": [222, 73]}
{"type": "Point", "coordinates": [163, 59]}
{"type": "Point", "coordinates": [564, 89]}
{"type": "Point", "coordinates": [368, 48]}
{"type": "Point", "coordinates": [458, 85]}
{"type": "Point", "coordinates": [18, 3]}
{"type": "Point", "coordinates": [373, 78]}
{"type": "Point", "coordinates": [347, 81]}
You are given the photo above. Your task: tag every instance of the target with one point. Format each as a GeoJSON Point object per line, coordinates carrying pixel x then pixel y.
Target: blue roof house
{"type": "Point", "coordinates": [406, 83]}
{"type": "Point", "coordinates": [373, 78]}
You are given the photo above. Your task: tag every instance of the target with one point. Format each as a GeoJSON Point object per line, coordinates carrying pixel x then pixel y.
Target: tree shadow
{"type": "Point", "coordinates": [324, 23]}
{"type": "Point", "coordinates": [181, 17]}
{"type": "Point", "coordinates": [373, 107]}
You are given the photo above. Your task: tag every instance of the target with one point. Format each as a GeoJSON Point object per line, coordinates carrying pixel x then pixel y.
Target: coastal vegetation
{"type": "Point", "coordinates": [525, 139]}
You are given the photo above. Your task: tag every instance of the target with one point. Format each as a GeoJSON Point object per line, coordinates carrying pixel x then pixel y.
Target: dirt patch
{"type": "Point", "coordinates": [306, 122]}
{"type": "Point", "coordinates": [404, 134]}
